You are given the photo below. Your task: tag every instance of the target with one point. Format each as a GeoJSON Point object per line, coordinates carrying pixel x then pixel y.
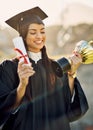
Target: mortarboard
{"type": "Point", "coordinates": [20, 23]}
{"type": "Point", "coordinates": [29, 16]}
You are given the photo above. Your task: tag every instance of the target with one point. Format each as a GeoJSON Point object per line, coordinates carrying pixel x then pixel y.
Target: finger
{"type": "Point", "coordinates": [24, 70]}
{"type": "Point", "coordinates": [76, 58]}
{"type": "Point", "coordinates": [27, 66]}
{"type": "Point", "coordinates": [23, 67]}
{"type": "Point", "coordinates": [20, 64]}
{"type": "Point", "coordinates": [26, 74]}
{"type": "Point", "coordinates": [78, 54]}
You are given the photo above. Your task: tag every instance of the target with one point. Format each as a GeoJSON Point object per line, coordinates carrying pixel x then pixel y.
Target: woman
{"type": "Point", "coordinates": [33, 97]}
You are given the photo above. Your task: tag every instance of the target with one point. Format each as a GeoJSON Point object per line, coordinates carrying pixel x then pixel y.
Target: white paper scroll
{"type": "Point", "coordinates": [20, 49]}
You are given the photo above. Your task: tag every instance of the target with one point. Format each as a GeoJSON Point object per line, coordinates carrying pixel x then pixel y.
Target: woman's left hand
{"type": "Point", "coordinates": [76, 61]}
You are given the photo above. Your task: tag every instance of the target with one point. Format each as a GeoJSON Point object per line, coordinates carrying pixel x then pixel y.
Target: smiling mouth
{"type": "Point", "coordinates": [39, 42]}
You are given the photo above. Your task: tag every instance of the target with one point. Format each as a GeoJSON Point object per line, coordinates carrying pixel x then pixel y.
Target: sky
{"type": "Point", "coordinates": [53, 8]}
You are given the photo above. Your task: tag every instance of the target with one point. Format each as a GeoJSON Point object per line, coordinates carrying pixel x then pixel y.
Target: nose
{"type": "Point", "coordinates": [38, 35]}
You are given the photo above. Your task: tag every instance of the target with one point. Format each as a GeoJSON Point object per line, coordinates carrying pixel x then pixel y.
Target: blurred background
{"type": "Point", "coordinates": [69, 21]}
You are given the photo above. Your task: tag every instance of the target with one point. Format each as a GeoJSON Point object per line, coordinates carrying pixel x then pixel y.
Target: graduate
{"type": "Point", "coordinates": [32, 96]}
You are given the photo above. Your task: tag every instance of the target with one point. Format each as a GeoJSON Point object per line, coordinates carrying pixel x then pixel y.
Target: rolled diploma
{"type": "Point", "coordinates": [20, 49]}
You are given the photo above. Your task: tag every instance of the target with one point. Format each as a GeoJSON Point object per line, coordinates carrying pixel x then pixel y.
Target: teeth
{"type": "Point", "coordinates": [38, 41]}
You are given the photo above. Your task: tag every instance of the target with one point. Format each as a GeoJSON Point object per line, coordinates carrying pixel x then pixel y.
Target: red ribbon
{"type": "Point", "coordinates": [22, 55]}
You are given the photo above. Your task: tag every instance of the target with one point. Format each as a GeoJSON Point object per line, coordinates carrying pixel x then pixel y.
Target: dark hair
{"type": "Point", "coordinates": [46, 61]}
{"type": "Point", "coordinates": [24, 24]}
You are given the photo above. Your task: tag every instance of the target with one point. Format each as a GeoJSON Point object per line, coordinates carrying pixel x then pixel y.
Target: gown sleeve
{"type": "Point", "coordinates": [7, 89]}
{"type": "Point", "coordinates": [79, 106]}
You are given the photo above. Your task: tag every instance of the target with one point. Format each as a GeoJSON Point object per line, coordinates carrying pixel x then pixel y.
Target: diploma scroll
{"type": "Point", "coordinates": [20, 49]}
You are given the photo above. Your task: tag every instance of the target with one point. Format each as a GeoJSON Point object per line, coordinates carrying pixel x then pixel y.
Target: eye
{"type": "Point", "coordinates": [43, 32]}
{"type": "Point", "coordinates": [32, 33]}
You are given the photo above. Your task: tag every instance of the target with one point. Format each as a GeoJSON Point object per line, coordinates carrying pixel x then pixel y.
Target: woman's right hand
{"type": "Point", "coordinates": [24, 72]}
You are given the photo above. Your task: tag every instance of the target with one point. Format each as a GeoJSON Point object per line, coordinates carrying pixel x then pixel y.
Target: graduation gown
{"type": "Point", "coordinates": [47, 110]}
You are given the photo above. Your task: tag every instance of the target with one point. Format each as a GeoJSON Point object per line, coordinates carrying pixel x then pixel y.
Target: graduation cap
{"type": "Point", "coordinates": [33, 15]}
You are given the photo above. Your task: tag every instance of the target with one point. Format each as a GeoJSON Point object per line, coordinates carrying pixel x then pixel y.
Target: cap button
{"type": "Point", "coordinates": [22, 19]}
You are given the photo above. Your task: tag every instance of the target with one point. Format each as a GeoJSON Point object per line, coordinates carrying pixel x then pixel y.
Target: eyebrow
{"type": "Point", "coordinates": [35, 29]}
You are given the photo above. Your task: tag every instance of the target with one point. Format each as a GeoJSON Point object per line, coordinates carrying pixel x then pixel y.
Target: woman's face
{"type": "Point", "coordinates": [35, 39]}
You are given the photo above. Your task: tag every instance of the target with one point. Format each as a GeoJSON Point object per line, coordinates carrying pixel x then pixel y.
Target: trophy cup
{"type": "Point", "coordinates": [86, 51]}
{"type": "Point", "coordinates": [84, 48]}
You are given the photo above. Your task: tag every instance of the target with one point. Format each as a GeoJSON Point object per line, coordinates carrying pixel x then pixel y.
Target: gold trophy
{"type": "Point", "coordinates": [86, 51]}
{"type": "Point", "coordinates": [84, 48]}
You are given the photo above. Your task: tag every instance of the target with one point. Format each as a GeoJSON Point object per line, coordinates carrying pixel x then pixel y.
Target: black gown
{"type": "Point", "coordinates": [46, 110]}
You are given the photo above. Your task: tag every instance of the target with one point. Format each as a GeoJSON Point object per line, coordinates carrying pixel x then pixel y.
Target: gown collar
{"type": "Point", "coordinates": [35, 56]}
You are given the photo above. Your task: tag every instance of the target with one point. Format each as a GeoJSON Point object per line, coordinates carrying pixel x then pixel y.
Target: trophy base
{"type": "Point", "coordinates": [61, 66]}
